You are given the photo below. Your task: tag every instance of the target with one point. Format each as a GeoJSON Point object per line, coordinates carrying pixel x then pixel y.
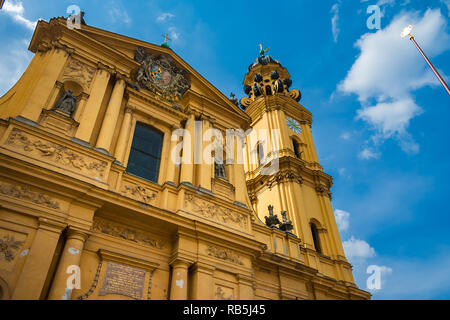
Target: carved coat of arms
{"type": "Point", "coordinates": [161, 76]}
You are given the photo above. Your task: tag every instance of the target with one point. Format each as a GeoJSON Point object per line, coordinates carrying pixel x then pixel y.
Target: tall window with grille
{"type": "Point", "coordinates": [145, 154]}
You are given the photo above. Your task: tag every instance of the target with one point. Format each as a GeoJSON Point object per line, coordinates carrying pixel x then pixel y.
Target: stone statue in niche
{"type": "Point", "coordinates": [67, 103]}
{"type": "Point", "coordinates": [219, 170]}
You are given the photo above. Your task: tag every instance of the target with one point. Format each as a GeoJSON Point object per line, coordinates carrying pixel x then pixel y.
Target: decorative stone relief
{"type": "Point", "coordinates": [284, 176]}
{"type": "Point", "coordinates": [160, 75]}
{"type": "Point", "coordinates": [139, 193]}
{"type": "Point", "coordinates": [323, 191]}
{"type": "Point", "coordinates": [215, 212]}
{"type": "Point", "coordinates": [56, 153]}
{"type": "Point", "coordinates": [223, 294]}
{"type": "Point", "coordinates": [25, 193]}
{"type": "Point", "coordinates": [79, 72]}
{"type": "Point", "coordinates": [224, 254]}
{"type": "Point", "coordinates": [117, 230]}
{"type": "Point", "coordinates": [9, 247]}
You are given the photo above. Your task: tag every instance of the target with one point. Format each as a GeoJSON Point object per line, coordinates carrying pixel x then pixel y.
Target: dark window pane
{"type": "Point", "coordinates": [145, 155]}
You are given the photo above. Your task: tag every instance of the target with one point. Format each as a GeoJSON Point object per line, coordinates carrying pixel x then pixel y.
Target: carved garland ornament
{"type": "Point", "coordinates": [26, 194]}
{"type": "Point", "coordinates": [160, 76]}
{"type": "Point", "coordinates": [55, 153]}
{"type": "Point", "coordinates": [80, 72]}
{"type": "Point", "coordinates": [9, 247]}
{"type": "Point", "coordinates": [284, 176]}
{"type": "Point", "coordinates": [224, 254]}
{"type": "Point", "coordinates": [323, 191]}
{"type": "Point", "coordinates": [139, 193]}
{"type": "Point", "coordinates": [220, 294]}
{"type": "Point", "coordinates": [214, 212]}
{"type": "Point", "coordinates": [117, 230]}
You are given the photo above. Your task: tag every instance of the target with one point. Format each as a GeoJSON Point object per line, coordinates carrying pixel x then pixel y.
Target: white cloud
{"type": "Point", "coordinates": [334, 21]}
{"type": "Point", "coordinates": [447, 4]}
{"type": "Point", "coordinates": [164, 16]}
{"type": "Point", "coordinates": [15, 60]}
{"type": "Point", "coordinates": [346, 135]}
{"type": "Point", "coordinates": [342, 219]}
{"type": "Point", "coordinates": [173, 33]}
{"type": "Point", "coordinates": [368, 153]}
{"type": "Point", "coordinates": [390, 117]}
{"type": "Point", "coordinates": [389, 69]}
{"type": "Point", "coordinates": [16, 10]}
{"type": "Point", "coordinates": [355, 248]}
{"type": "Point", "coordinates": [120, 15]}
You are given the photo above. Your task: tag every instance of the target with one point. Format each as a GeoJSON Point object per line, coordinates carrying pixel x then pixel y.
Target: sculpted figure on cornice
{"type": "Point", "coordinates": [160, 76]}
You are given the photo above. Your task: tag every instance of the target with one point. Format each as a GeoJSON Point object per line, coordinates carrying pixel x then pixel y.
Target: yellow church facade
{"type": "Point", "coordinates": [105, 192]}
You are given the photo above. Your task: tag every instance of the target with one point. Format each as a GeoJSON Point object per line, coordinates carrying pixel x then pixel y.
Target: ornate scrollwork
{"type": "Point", "coordinates": [215, 212]}
{"type": "Point", "coordinates": [118, 230]}
{"type": "Point", "coordinates": [80, 72]}
{"type": "Point", "coordinates": [224, 254]}
{"type": "Point", "coordinates": [26, 194]}
{"type": "Point", "coordinates": [284, 176]}
{"type": "Point", "coordinates": [220, 294]}
{"type": "Point", "coordinates": [139, 193]}
{"type": "Point", "coordinates": [56, 153]}
{"type": "Point", "coordinates": [160, 76]}
{"type": "Point", "coordinates": [323, 191]}
{"type": "Point", "coordinates": [9, 247]}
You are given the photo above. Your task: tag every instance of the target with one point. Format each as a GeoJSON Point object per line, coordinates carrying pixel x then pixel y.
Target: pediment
{"type": "Point", "coordinates": [198, 85]}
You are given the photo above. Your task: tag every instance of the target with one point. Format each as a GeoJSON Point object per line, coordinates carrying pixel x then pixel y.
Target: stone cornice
{"type": "Point", "coordinates": [291, 169]}
{"type": "Point", "coordinates": [278, 102]}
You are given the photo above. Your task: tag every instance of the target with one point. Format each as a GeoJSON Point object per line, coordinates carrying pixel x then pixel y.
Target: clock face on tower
{"type": "Point", "coordinates": [293, 125]}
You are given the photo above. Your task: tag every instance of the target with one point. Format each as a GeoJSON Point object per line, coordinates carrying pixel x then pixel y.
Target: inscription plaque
{"type": "Point", "coordinates": [123, 280]}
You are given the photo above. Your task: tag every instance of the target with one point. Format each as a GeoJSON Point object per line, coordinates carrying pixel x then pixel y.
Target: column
{"type": "Point", "coordinates": [240, 185]}
{"type": "Point", "coordinates": [70, 257]}
{"type": "Point", "coordinates": [124, 134]}
{"type": "Point", "coordinates": [205, 170]}
{"type": "Point", "coordinates": [179, 285]}
{"type": "Point", "coordinates": [56, 90]}
{"type": "Point", "coordinates": [172, 167]}
{"type": "Point", "coordinates": [89, 116]}
{"type": "Point", "coordinates": [202, 282]}
{"type": "Point", "coordinates": [111, 116]}
{"type": "Point", "coordinates": [187, 164]}
{"type": "Point", "coordinates": [81, 105]}
{"type": "Point", "coordinates": [38, 261]}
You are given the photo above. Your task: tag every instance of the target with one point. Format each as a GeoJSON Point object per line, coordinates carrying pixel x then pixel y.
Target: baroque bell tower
{"type": "Point", "coordinates": [282, 168]}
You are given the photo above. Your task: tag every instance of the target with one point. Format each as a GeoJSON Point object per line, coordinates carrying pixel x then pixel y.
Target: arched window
{"type": "Point", "coordinates": [315, 236]}
{"type": "Point", "coordinates": [260, 149]}
{"type": "Point", "coordinates": [145, 154]}
{"type": "Point", "coordinates": [297, 151]}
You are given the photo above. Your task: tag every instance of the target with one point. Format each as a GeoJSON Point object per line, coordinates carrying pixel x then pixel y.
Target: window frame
{"type": "Point", "coordinates": [146, 153]}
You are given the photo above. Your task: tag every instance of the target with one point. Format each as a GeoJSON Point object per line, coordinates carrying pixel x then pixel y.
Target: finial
{"type": "Point", "coordinates": [286, 225]}
{"type": "Point", "coordinates": [262, 51]}
{"type": "Point", "coordinates": [272, 220]}
{"type": "Point", "coordinates": [165, 44]}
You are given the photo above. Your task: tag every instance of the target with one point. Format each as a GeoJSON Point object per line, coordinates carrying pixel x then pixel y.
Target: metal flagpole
{"type": "Point", "coordinates": [407, 32]}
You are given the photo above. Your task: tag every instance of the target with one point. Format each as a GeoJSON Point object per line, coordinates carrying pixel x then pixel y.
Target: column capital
{"type": "Point", "coordinates": [77, 234]}
{"type": "Point", "coordinates": [103, 67]}
{"type": "Point", "coordinates": [120, 77]}
{"type": "Point", "coordinates": [203, 267]}
{"type": "Point", "coordinates": [130, 109]}
{"type": "Point", "coordinates": [51, 225]}
{"type": "Point", "coordinates": [177, 262]}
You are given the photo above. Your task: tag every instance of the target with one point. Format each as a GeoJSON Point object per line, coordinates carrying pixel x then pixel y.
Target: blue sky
{"type": "Point", "coordinates": [380, 115]}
